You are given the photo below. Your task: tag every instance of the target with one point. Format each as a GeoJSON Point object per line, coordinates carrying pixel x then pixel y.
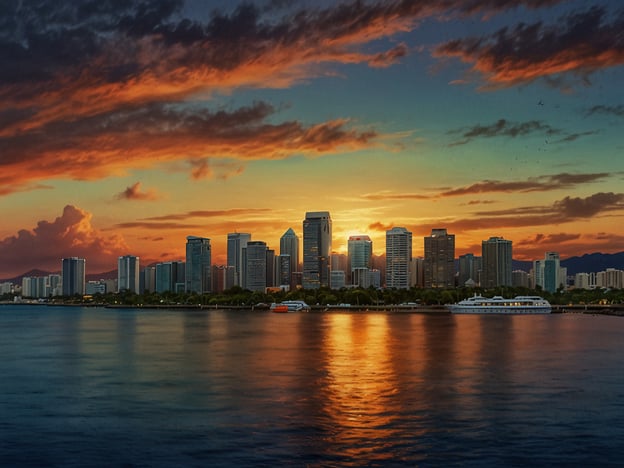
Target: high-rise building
{"type": "Point", "coordinates": [55, 283]}
{"type": "Point", "coordinates": [283, 273]}
{"type": "Point", "coordinates": [439, 259]}
{"type": "Point", "coordinates": [338, 261]}
{"type": "Point", "coordinates": [256, 265]}
{"type": "Point", "coordinates": [361, 277]}
{"type": "Point", "coordinates": [236, 242]}
{"type": "Point", "coordinates": [359, 255]}
{"type": "Point", "coordinates": [548, 272]}
{"type": "Point", "coordinates": [469, 270]}
{"type": "Point", "coordinates": [417, 272]}
{"type": "Point", "coordinates": [317, 239]}
{"type": "Point", "coordinates": [219, 273]}
{"type": "Point", "coordinates": [73, 271]}
{"type": "Point", "coordinates": [337, 279]}
{"type": "Point", "coordinates": [128, 273]}
{"type": "Point", "coordinates": [148, 283]}
{"type": "Point", "coordinates": [198, 265]}
{"type": "Point", "coordinates": [169, 276]}
{"type": "Point", "coordinates": [519, 279]}
{"type": "Point", "coordinates": [496, 262]}
{"type": "Point", "coordinates": [289, 245]}
{"type": "Point", "coordinates": [35, 287]}
{"type": "Point", "coordinates": [398, 257]}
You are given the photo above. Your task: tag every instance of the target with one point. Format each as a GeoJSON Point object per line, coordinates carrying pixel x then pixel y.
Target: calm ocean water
{"type": "Point", "coordinates": [100, 387]}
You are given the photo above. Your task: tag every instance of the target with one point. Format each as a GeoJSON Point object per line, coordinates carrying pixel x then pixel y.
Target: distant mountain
{"type": "Point", "coordinates": [521, 265]}
{"type": "Point", "coordinates": [34, 272]}
{"type": "Point", "coordinates": [593, 263]}
{"type": "Point", "coordinates": [588, 263]}
{"type": "Point", "coordinates": [107, 275]}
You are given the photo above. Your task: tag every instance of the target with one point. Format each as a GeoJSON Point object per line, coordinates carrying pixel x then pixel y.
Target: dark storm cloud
{"type": "Point", "coordinates": [505, 128]}
{"type": "Point", "coordinates": [580, 43]}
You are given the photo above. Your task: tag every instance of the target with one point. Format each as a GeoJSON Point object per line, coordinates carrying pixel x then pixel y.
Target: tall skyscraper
{"type": "Point", "coordinates": [170, 276]}
{"type": "Point", "coordinates": [496, 262]}
{"type": "Point", "coordinates": [73, 271]}
{"type": "Point", "coordinates": [469, 270]}
{"type": "Point", "coordinates": [236, 242]}
{"type": "Point", "coordinates": [359, 255]}
{"type": "Point", "coordinates": [149, 279]}
{"type": "Point", "coordinates": [289, 245]}
{"type": "Point", "coordinates": [548, 272]}
{"type": "Point", "coordinates": [398, 257]}
{"type": "Point", "coordinates": [283, 274]}
{"type": "Point", "coordinates": [439, 259]}
{"type": "Point", "coordinates": [128, 273]}
{"type": "Point", "coordinates": [256, 266]}
{"type": "Point", "coordinates": [317, 239]}
{"type": "Point", "coordinates": [198, 265]}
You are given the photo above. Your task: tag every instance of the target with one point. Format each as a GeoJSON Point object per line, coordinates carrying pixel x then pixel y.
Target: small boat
{"type": "Point", "coordinates": [290, 306]}
{"type": "Point", "coordinates": [500, 305]}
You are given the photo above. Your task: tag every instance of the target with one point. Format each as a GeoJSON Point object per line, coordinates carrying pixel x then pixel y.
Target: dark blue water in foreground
{"type": "Point", "coordinates": [98, 387]}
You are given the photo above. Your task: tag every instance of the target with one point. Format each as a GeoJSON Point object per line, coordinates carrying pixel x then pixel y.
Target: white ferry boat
{"type": "Point", "coordinates": [290, 306]}
{"type": "Point", "coordinates": [500, 305]}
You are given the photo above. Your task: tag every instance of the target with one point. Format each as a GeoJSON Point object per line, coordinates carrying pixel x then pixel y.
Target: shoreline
{"type": "Point", "coordinates": [586, 309]}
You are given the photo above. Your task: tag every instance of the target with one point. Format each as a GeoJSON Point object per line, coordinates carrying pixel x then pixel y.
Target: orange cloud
{"type": "Point", "coordinates": [69, 235]}
{"type": "Point", "coordinates": [111, 95]}
{"type": "Point", "coordinates": [581, 44]}
{"type": "Point", "coordinates": [111, 143]}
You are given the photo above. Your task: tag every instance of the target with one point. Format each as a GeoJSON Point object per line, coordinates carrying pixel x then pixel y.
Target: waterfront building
{"type": "Point", "coordinates": [496, 254]}
{"type": "Point", "coordinates": [55, 284]}
{"type": "Point", "coordinates": [255, 255]}
{"type": "Point", "coordinates": [128, 274]}
{"type": "Point", "coordinates": [417, 272]}
{"type": "Point", "coordinates": [398, 257]}
{"type": "Point", "coordinates": [35, 287]}
{"type": "Point", "coordinates": [439, 259]}
{"type": "Point", "coordinates": [548, 273]}
{"type": "Point", "coordinates": [585, 280]}
{"type": "Point", "coordinates": [359, 254]}
{"type": "Point", "coordinates": [469, 270]}
{"type": "Point", "coordinates": [218, 275]}
{"type": "Point", "coordinates": [337, 279]}
{"type": "Point", "coordinates": [170, 276]}
{"type": "Point", "coordinates": [270, 269]}
{"type": "Point", "coordinates": [236, 242]}
{"type": "Point", "coordinates": [519, 279]}
{"type": "Point", "coordinates": [361, 277]}
{"type": "Point", "coordinates": [283, 273]}
{"type": "Point", "coordinates": [375, 278]}
{"type": "Point", "coordinates": [198, 265]}
{"type": "Point", "coordinates": [73, 273]}
{"type": "Point", "coordinates": [148, 280]}
{"type": "Point", "coordinates": [338, 261]}
{"type": "Point", "coordinates": [289, 245]}
{"type": "Point", "coordinates": [96, 287]}
{"type": "Point", "coordinates": [317, 240]}
{"type": "Point", "coordinates": [610, 278]}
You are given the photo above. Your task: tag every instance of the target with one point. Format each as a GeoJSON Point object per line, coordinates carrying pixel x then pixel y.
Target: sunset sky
{"type": "Point", "coordinates": [127, 125]}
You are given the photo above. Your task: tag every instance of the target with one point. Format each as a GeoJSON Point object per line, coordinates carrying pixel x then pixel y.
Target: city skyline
{"type": "Point", "coordinates": [182, 118]}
